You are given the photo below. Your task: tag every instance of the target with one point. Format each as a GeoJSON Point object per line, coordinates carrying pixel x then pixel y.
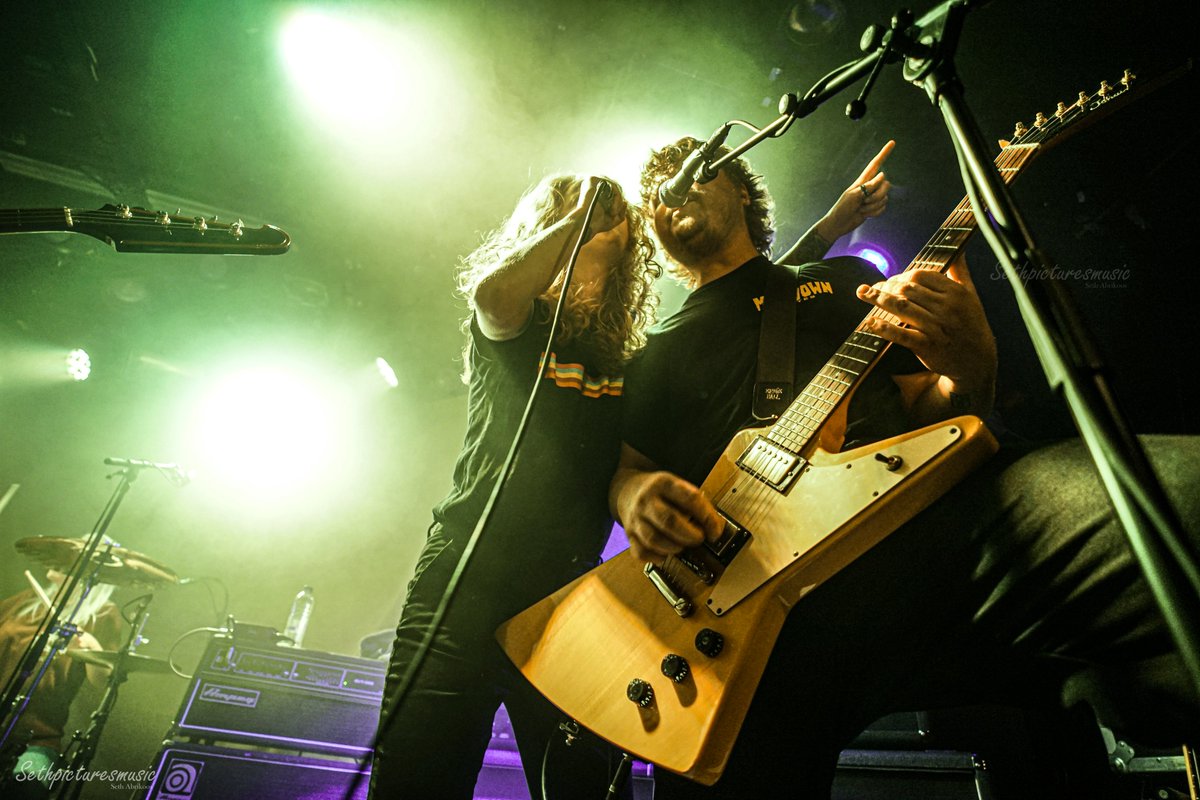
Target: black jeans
{"type": "Point", "coordinates": [1016, 587]}
{"type": "Point", "coordinates": [435, 746]}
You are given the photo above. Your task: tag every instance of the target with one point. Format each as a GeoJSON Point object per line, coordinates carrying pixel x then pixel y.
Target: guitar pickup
{"type": "Point", "coordinates": [770, 463]}
{"type": "Point", "coordinates": [731, 541]}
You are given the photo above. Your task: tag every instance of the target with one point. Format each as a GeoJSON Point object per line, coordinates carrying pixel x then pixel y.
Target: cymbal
{"type": "Point", "coordinates": [121, 566]}
{"type": "Point", "coordinates": [134, 662]}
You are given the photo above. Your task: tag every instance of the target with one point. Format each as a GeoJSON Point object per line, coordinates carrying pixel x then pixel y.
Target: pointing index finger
{"type": "Point", "coordinates": [876, 163]}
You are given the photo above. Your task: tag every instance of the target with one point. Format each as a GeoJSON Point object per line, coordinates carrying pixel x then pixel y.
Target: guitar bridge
{"type": "Point", "coordinates": [681, 605]}
{"type": "Point", "coordinates": [774, 465]}
{"type": "Point", "coordinates": [697, 566]}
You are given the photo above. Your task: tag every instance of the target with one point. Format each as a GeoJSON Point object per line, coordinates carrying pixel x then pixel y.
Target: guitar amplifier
{"type": "Point", "coordinates": [283, 697]}
{"type": "Point", "coordinates": [197, 772]}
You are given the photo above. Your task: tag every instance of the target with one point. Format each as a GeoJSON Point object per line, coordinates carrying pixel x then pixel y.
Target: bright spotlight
{"type": "Point", "coordinates": [346, 69]}
{"type": "Point", "coordinates": [79, 364]}
{"type": "Point", "coordinates": [386, 372]}
{"type": "Point", "coordinates": [369, 79]}
{"type": "Point", "coordinates": [269, 430]}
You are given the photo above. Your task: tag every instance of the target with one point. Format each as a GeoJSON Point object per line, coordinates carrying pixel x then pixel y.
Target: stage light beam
{"type": "Point", "coordinates": [270, 432]}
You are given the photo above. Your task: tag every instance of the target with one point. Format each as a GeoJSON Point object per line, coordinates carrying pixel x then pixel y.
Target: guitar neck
{"type": "Point", "coordinates": [35, 220]}
{"type": "Point", "coordinates": [841, 375]}
{"type": "Point", "coordinates": [138, 230]}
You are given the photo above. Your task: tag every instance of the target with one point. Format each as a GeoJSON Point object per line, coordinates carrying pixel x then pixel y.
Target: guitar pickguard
{"type": "Point", "coordinates": [831, 490]}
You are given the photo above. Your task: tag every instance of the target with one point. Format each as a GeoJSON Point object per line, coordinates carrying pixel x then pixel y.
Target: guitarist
{"type": "Point", "coordinates": [552, 522]}
{"type": "Point", "coordinates": [1016, 586]}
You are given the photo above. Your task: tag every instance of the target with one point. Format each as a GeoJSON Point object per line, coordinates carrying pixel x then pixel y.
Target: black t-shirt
{"type": "Point", "coordinates": [556, 500]}
{"type": "Point", "coordinates": [691, 389]}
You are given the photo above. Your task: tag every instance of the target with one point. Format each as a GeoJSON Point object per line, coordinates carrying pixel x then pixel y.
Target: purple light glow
{"type": "Point", "coordinates": [876, 255]}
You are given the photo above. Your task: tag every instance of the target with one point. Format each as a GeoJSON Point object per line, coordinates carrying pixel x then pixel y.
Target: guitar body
{"type": "Point", "coordinates": [582, 646]}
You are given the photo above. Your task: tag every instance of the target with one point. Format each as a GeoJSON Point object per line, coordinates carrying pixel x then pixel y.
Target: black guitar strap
{"type": "Point", "coordinates": [776, 345]}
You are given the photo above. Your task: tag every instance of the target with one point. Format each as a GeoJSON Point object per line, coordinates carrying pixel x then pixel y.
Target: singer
{"type": "Point", "coordinates": [1017, 586]}
{"type": "Point", "coordinates": [552, 520]}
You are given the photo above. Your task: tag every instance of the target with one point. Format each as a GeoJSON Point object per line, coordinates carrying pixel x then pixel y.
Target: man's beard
{"type": "Point", "coordinates": [703, 241]}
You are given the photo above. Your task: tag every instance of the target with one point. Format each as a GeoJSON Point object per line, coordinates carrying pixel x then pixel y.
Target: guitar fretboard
{"type": "Point", "coordinates": [841, 374]}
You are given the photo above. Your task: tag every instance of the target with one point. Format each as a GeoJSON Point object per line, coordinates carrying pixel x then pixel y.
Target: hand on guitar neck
{"type": "Point", "coordinates": [940, 319]}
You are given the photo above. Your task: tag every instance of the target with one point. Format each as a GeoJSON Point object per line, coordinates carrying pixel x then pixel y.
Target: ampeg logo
{"type": "Point", "coordinates": [179, 778]}
{"type": "Point", "coordinates": [230, 695]}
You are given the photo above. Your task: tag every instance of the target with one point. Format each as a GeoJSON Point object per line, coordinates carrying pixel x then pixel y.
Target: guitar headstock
{"type": "Point", "coordinates": [138, 230]}
{"type": "Point", "coordinates": [1043, 130]}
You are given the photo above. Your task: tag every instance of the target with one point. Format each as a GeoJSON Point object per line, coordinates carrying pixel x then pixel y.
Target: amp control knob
{"type": "Point", "coordinates": [675, 667]}
{"type": "Point", "coordinates": [709, 642]}
{"type": "Point", "coordinates": [640, 692]}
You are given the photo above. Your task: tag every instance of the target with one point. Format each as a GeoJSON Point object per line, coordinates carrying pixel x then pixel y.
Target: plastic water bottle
{"type": "Point", "coordinates": [297, 621]}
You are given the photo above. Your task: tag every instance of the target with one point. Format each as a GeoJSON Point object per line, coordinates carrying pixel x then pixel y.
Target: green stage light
{"type": "Point", "coordinates": [344, 68]}
{"type": "Point", "coordinates": [373, 80]}
{"type": "Point", "coordinates": [386, 372]}
{"type": "Point", "coordinates": [79, 364]}
{"type": "Point", "coordinates": [270, 432]}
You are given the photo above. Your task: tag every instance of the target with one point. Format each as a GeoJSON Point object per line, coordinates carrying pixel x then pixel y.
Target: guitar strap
{"type": "Point", "coordinates": [776, 345]}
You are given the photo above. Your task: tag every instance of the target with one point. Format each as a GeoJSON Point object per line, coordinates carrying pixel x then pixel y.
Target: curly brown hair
{"type": "Point", "coordinates": [616, 322]}
{"type": "Point", "coordinates": [760, 213]}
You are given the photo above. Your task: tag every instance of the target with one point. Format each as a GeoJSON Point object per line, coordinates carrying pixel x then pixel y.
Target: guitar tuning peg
{"type": "Point", "coordinates": [1128, 78]}
{"type": "Point", "coordinates": [1083, 98]}
{"type": "Point", "coordinates": [1039, 120]}
{"type": "Point", "coordinates": [1105, 90]}
{"type": "Point", "coordinates": [1020, 130]}
{"type": "Point", "coordinates": [1061, 111]}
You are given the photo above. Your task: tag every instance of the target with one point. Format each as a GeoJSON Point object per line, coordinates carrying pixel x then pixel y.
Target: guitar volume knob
{"type": "Point", "coordinates": [640, 693]}
{"type": "Point", "coordinates": [710, 642]}
{"type": "Point", "coordinates": [676, 667]}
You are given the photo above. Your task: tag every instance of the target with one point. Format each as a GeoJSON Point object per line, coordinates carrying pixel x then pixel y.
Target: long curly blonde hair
{"type": "Point", "coordinates": [615, 322]}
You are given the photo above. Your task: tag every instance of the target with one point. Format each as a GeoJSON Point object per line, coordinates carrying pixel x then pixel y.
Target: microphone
{"type": "Point", "coordinates": [694, 169]}
{"type": "Point", "coordinates": [604, 195]}
{"type": "Point", "coordinates": [175, 473]}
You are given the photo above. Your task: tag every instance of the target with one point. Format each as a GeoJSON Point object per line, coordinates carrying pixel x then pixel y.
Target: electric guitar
{"type": "Point", "coordinates": [136, 230]}
{"type": "Point", "coordinates": [664, 661]}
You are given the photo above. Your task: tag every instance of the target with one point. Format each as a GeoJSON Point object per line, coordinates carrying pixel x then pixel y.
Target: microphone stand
{"type": "Point", "coordinates": [83, 746]}
{"type": "Point", "coordinates": [1066, 349]}
{"type": "Point", "coordinates": [1064, 345]}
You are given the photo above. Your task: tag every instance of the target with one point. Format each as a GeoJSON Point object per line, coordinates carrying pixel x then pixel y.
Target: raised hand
{"type": "Point", "coordinates": [866, 197]}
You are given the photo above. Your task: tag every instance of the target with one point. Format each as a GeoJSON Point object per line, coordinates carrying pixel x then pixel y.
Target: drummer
{"type": "Point", "coordinates": [45, 718]}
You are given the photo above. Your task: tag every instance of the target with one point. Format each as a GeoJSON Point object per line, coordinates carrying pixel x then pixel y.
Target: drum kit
{"type": "Point", "coordinates": [106, 564]}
